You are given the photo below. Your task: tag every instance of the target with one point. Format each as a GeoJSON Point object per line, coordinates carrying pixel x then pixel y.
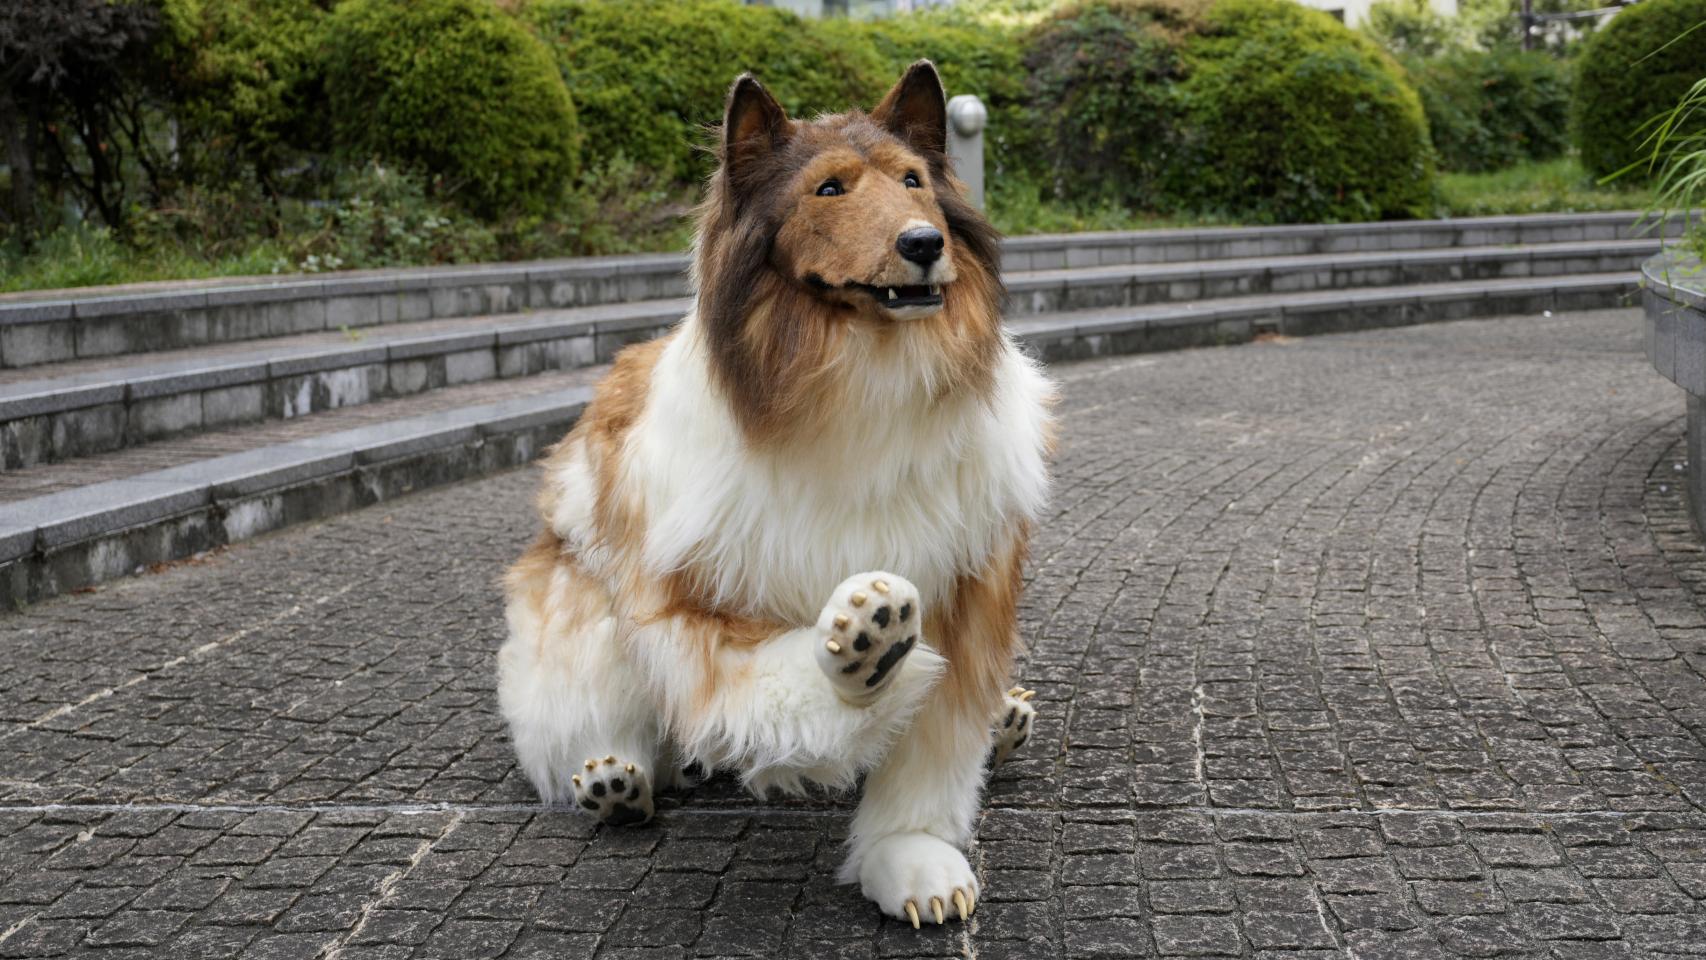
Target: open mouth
{"type": "Point", "coordinates": [894, 298]}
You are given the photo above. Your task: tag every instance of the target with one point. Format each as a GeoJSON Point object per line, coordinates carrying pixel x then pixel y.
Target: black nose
{"type": "Point", "coordinates": [921, 245]}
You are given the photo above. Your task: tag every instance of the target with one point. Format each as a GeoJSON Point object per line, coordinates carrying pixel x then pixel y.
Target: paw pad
{"type": "Point", "coordinates": [1013, 727]}
{"type": "Point", "coordinates": [871, 623]}
{"type": "Point", "coordinates": [615, 791]}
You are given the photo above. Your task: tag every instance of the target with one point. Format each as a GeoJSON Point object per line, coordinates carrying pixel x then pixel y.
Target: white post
{"type": "Point", "coordinates": [966, 120]}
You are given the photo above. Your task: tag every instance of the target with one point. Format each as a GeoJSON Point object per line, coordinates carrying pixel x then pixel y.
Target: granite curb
{"type": "Point", "coordinates": [69, 540]}
{"type": "Point", "coordinates": [51, 326]}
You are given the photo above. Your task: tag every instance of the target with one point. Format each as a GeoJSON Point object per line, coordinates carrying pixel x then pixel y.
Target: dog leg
{"type": "Point", "coordinates": [921, 802]}
{"type": "Point", "coordinates": [916, 815]}
{"type": "Point", "coordinates": [571, 698]}
{"type": "Point", "coordinates": [1014, 726]}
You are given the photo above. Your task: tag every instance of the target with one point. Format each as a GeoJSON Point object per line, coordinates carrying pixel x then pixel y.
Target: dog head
{"type": "Point", "coordinates": [849, 222]}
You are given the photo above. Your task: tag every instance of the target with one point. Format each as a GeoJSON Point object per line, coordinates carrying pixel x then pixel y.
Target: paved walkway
{"type": "Point", "coordinates": [1378, 645]}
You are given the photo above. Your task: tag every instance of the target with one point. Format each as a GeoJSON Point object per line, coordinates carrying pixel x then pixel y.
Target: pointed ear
{"type": "Point", "coordinates": [916, 110]}
{"type": "Point", "coordinates": [754, 124]}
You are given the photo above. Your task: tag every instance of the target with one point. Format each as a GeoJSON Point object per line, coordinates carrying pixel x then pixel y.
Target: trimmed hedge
{"type": "Point", "coordinates": [1258, 110]}
{"type": "Point", "coordinates": [649, 76]}
{"type": "Point", "coordinates": [1289, 116]}
{"type": "Point", "coordinates": [244, 74]}
{"type": "Point", "coordinates": [1103, 96]}
{"type": "Point", "coordinates": [1625, 79]}
{"type": "Point", "coordinates": [1489, 110]}
{"type": "Point", "coordinates": [457, 88]}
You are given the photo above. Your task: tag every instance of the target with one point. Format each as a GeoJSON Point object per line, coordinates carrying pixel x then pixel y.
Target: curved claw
{"type": "Point", "coordinates": [912, 914]}
{"type": "Point", "coordinates": [1027, 695]}
{"type": "Point", "coordinates": [971, 895]}
{"type": "Point", "coordinates": [936, 909]}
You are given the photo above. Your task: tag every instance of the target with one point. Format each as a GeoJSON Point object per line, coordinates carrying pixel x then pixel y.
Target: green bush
{"type": "Point", "coordinates": [1289, 116]}
{"type": "Point", "coordinates": [457, 89]}
{"type": "Point", "coordinates": [1411, 28]}
{"type": "Point", "coordinates": [1103, 109]}
{"type": "Point", "coordinates": [1625, 79]}
{"type": "Point", "coordinates": [650, 76]}
{"type": "Point", "coordinates": [245, 75]}
{"type": "Point", "coordinates": [1488, 111]}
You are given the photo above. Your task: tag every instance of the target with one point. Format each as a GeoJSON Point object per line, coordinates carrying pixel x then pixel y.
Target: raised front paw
{"type": "Point", "coordinates": [1014, 727]}
{"type": "Point", "coordinates": [614, 791]}
{"type": "Point", "coordinates": [917, 877]}
{"type": "Point", "coordinates": [871, 623]}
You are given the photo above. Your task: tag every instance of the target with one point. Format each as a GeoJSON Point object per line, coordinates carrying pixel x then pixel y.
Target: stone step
{"type": "Point", "coordinates": [1054, 291]}
{"type": "Point", "coordinates": [1108, 331]}
{"type": "Point", "coordinates": [59, 325]}
{"type": "Point", "coordinates": [93, 406]}
{"type": "Point", "coordinates": [83, 533]}
{"type": "Point", "coordinates": [43, 479]}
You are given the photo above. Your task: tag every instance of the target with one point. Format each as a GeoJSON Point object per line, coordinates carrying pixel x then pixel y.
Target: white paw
{"type": "Point", "coordinates": [1014, 727]}
{"type": "Point", "coordinates": [615, 791]}
{"type": "Point", "coordinates": [872, 621]}
{"type": "Point", "coordinates": [917, 877]}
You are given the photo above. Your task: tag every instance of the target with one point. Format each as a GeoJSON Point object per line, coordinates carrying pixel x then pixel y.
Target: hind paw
{"type": "Point", "coordinates": [1014, 727]}
{"type": "Point", "coordinates": [872, 621]}
{"type": "Point", "coordinates": [614, 791]}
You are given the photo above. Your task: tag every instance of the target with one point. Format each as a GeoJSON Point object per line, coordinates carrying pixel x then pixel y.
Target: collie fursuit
{"type": "Point", "coordinates": [841, 398]}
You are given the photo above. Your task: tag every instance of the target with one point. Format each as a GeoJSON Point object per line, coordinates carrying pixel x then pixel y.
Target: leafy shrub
{"type": "Point", "coordinates": [1638, 66]}
{"type": "Point", "coordinates": [380, 217]}
{"type": "Point", "coordinates": [1489, 110]}
{"type": "Point", "coordinates": [649, 76]}
{"type": "Point", "coordinates": [1289, 116]}
{"type": "Point", "coordinates": [458, 89]}
{"type": "Point", "coordinates": [245, 75]}
{"type": "Point", "coordinates": [1104, 115]}
{"type": "Point", "coordinates": [1411, 28]}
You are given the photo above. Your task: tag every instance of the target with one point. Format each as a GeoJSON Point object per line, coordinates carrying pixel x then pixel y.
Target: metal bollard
{"type": "Point", "coordinates": [966, 120]}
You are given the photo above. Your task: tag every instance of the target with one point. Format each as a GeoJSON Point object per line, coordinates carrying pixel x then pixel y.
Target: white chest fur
{"type": "Point", "coordinates": [897, 482]}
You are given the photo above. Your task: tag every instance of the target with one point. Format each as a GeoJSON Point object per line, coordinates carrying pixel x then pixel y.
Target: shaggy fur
{"type": "Point", "coordinates": [830, 406]}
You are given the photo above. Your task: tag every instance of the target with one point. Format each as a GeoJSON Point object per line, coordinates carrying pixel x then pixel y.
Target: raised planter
{"type": "Point", "coordinates": [1673, 295]}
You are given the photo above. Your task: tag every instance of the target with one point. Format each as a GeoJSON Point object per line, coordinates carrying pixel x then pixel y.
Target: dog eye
{"type": "Point", "coordinates": [829, 188]}
{"type": "Point", "coordinates": [911, 180]}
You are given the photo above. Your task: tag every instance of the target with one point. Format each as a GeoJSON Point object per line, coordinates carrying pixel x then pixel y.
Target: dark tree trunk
{"type": "Point", "coordinates": [14, 128]}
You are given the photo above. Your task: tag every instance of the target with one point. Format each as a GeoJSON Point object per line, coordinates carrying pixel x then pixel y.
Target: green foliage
{"type": "Point", "coordinates": [1288, 116]}
{"type": "Point", "coordinates": [1552, 186]}
{"type": "Point", "coordinates": [1104, 115]}
{"type": "Point", "coordinates": [380, 217]}
{"type": "Point", "coordinates": [1411, 28]}
{"type": "Point", "coordinates": [86, 255]}
{"type": "Point", "coordinates": [1676, 148]}
{"type": "Point", "coordinates": [650, 76]}
{"type": "Point", "coordinates": [457, 89]}
{"type": "Point", "coordinates": [244, 76]}
{"type": "Point", "coordinates": [1488, 110]}
{"type": "Point", "coordinates": [1637, 67]}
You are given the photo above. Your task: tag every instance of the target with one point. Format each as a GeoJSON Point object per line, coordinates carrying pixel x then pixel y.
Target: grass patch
{"type": "Point", "coordinates": [88, 257]}
{"type": "Point", "coordinates": [1552, 186]}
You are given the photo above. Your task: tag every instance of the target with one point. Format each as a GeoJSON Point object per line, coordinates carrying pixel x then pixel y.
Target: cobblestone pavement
{"type": "Point", "coordinates": [1378, 645]}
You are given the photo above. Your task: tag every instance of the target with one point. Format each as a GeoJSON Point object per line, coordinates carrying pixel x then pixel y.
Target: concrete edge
{"type": "Point", "coordinates": [97, 302]}
{"type": "Point", "coordinates": [68, 540]}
